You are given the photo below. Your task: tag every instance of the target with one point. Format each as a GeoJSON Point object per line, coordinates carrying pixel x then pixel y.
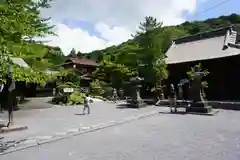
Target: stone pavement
{"type": "Point", "coordinates": [159, 137]}
{"type": "Point", "coordinates": [44, 124]}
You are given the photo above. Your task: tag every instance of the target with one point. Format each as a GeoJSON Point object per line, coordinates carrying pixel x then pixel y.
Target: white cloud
{"type": "Point", "coordinates": [81, 40]}
{"type": "Point", "coordinates": [114, 35]}
{"type": "Point", "coordinates": [114, 20]}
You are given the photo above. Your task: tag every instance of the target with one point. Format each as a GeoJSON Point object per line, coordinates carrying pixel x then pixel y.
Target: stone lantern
{"type": "Point", "coordinates": [136, 100]}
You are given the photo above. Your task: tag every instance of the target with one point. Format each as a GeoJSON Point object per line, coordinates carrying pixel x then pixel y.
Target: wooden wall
{"type": "Point", "coordinates": [223, 80]}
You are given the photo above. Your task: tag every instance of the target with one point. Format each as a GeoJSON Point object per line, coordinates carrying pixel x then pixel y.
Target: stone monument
{"type": "Point", "coordinates": [198, 103]}
{"type": "Point", "coordinates": [136, 100]}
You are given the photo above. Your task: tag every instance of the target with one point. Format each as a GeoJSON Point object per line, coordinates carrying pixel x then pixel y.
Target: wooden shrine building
{"type": "Point", "coordinates": [83, 67]}
{"type": "Point", "coordinates": [218, 51]}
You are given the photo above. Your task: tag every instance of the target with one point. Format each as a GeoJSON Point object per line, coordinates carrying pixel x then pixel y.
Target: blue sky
{"type": "Point", "coordinates": [83, 18]}
{"type": "Point", "coordinates": [225, 9]}
{"type": "Point", "coordinates": [232, 6]}
{"type": "Point", "coordinates": [84, 26]}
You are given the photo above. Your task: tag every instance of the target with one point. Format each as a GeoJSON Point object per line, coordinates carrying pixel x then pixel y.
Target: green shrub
{"type": "Point", "coordinates": [76, 98]}
{"type": "Point", "coordinates": [60, 99]}
{"type": "Point", "coordinates": [108, 91]}
{"type": "Point", "coordinates": [96, 88]}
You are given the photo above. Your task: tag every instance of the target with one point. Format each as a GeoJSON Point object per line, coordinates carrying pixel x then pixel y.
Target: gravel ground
{"type": "Point", "coordinates": [164, 136]}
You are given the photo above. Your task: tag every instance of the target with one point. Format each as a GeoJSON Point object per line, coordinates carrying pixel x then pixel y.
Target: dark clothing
{"type": "Point", "coordinates": [172, 93]}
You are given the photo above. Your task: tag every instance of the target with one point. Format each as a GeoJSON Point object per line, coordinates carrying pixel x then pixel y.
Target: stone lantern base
{"type": "Point", "coordinates": [199, 107]}
{"type": "Point", "coordinates": [137, 103]}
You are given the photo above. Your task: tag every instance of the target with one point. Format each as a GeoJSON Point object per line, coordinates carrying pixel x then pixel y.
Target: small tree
{"type": "Point", "coordinates": [96, 88]}
{"type": "Point", "coordinates": [80, 54]}
{"type": "Point", "coordinates": [113, 73]}
{"type": "Point", "coordinates": [150, 53]}
{"type": "Point", "coordinates": [196, 68]}
{"type": "Point", "coordinates": [72, 53]}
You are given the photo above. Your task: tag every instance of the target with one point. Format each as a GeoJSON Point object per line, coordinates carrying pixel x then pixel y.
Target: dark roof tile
{"type": "Point", "coordinates": [87, 62]}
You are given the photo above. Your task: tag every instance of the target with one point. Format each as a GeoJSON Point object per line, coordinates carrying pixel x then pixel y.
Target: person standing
{"type": "Point", "coordinates": [1, 97]}
{"type": "Point", "coordinates": [114, 95]}
{"type": "Point", "coordinates": [87, 101]}
{"type": "Point", "coordinates": [172, 98]}
{"type": "Point", "coordinates": [180, 92]}
{"type": "Point", "coordinates": [121, 93]}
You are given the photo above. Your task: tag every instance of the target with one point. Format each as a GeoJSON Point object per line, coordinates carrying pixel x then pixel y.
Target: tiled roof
{"type": "Point", "coordinates": [203, 35]}
{"type": "Point", "coordinates": [83, 61]}
{"type": "Point", "coordinates": [199, 48]}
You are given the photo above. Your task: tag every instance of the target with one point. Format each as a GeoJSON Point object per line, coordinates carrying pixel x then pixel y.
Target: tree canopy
{"type": "Point", "coordinates": [186, 28]}
{"type": "Point", "coordinates": [20, 25]}
{"type": "Point", "coordinates": [145, 53]}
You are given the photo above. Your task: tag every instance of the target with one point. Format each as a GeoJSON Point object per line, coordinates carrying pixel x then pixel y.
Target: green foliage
{"type": "Point", "coordinates": [149, 24]}
{"type": "Point", "coordinates": [76, 98]}
{"type": "Point", "coordinates": [113, 73]}
{"type": "Point", "coordinates": [65, 98]}
{"type": "Point", "coordinates": [169, 32]}
{"type": "Point", "coordinates": [198, 68]}
{"type": "Point", "coordinates": [42, 57]}
{"type": "Point", "coordinates": [212, 23]}
{"type": "Point", "coordinates": [20, 23]}
{"type": "Point", "coordinates": [67, 77]}
{"type": "Point", "coordinates": [24, 74]}
{"type": "Point", "coordinates": [145, 52]}
{"type": "Point", "coordinates": [150, 54]}
{"type": "Point", "coordinates": [96, 88]}
{"type": "Point", "coordinates": [80, 55]}
{"type": "Point", "coordinates": [73, 53]}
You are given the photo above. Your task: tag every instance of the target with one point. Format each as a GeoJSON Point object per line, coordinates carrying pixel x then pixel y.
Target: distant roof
{"type": "Point", "coordinates": [203, 46]}
{"type": "Point", "coordinates": [19, 61]}
{"type": "Point", "coordinates": [203, 35]}
{"type": "Point", "coordinates": [87, 62]}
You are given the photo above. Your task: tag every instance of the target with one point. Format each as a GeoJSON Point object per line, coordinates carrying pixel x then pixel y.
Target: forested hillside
{"type": "Point", "coordinates": [144, 55]}
{"type": "Point", "coordinates": [186, 28]}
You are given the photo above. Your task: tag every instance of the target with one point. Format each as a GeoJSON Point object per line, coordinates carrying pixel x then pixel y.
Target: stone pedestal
{"type": "Point", "coordinates": [198, 104]}
{"type": "Point", "coordinates": [199, 107]}
{"type": "Point", "coordinates": [136, 100]}
{"type": "Point", "coordinates": [137, 103]}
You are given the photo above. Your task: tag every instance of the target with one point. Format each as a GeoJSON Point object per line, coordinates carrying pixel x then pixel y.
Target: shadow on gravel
{"type": "Point", "coordinates": [125, 106]}
{"type": "Point", "coordinates": [178, 113]}
{"type": "Point", "coordinates": [79, 114]}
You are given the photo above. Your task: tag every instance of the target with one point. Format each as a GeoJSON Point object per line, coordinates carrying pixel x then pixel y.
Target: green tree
{"type": "Point", "coordinates": [80, 54]}
{"type": "Point", "coordinates": [198, 68]}
{"type": "Point", "coordinates": [20, 24]}
{"type": "Point", "coordinates": [151, 55]}
{"type": "Point", "coordinates": [72, 53]}
{"type": "Point", "coordinates": [149, 24]}
{"type": "Point", "coordinates": [113, 73]}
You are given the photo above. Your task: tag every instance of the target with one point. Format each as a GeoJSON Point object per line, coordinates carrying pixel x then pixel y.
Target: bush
{"type": "Point", "coordinates": [68, 98]}
{"type": "Point", "coordinates": [61, 99]}
{"type": "Point", "coordinates": [108, 91]}
{"type": "Point", "coordinates": [96, 88]}
{"type": "Point", "coordinates": [76, 98]}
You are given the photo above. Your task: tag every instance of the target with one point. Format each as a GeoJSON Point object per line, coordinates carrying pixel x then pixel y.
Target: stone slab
{"type": "Point", "coordinates": [12, 129]}
{"type": "Point", "coordinates": [228, 105]}
{"type": "Point", "coordinates": [212, 113]}
{"type": "Point", "coordinates": [133, 104]}
{"type": "Point", "coordinates": [193, 109]}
